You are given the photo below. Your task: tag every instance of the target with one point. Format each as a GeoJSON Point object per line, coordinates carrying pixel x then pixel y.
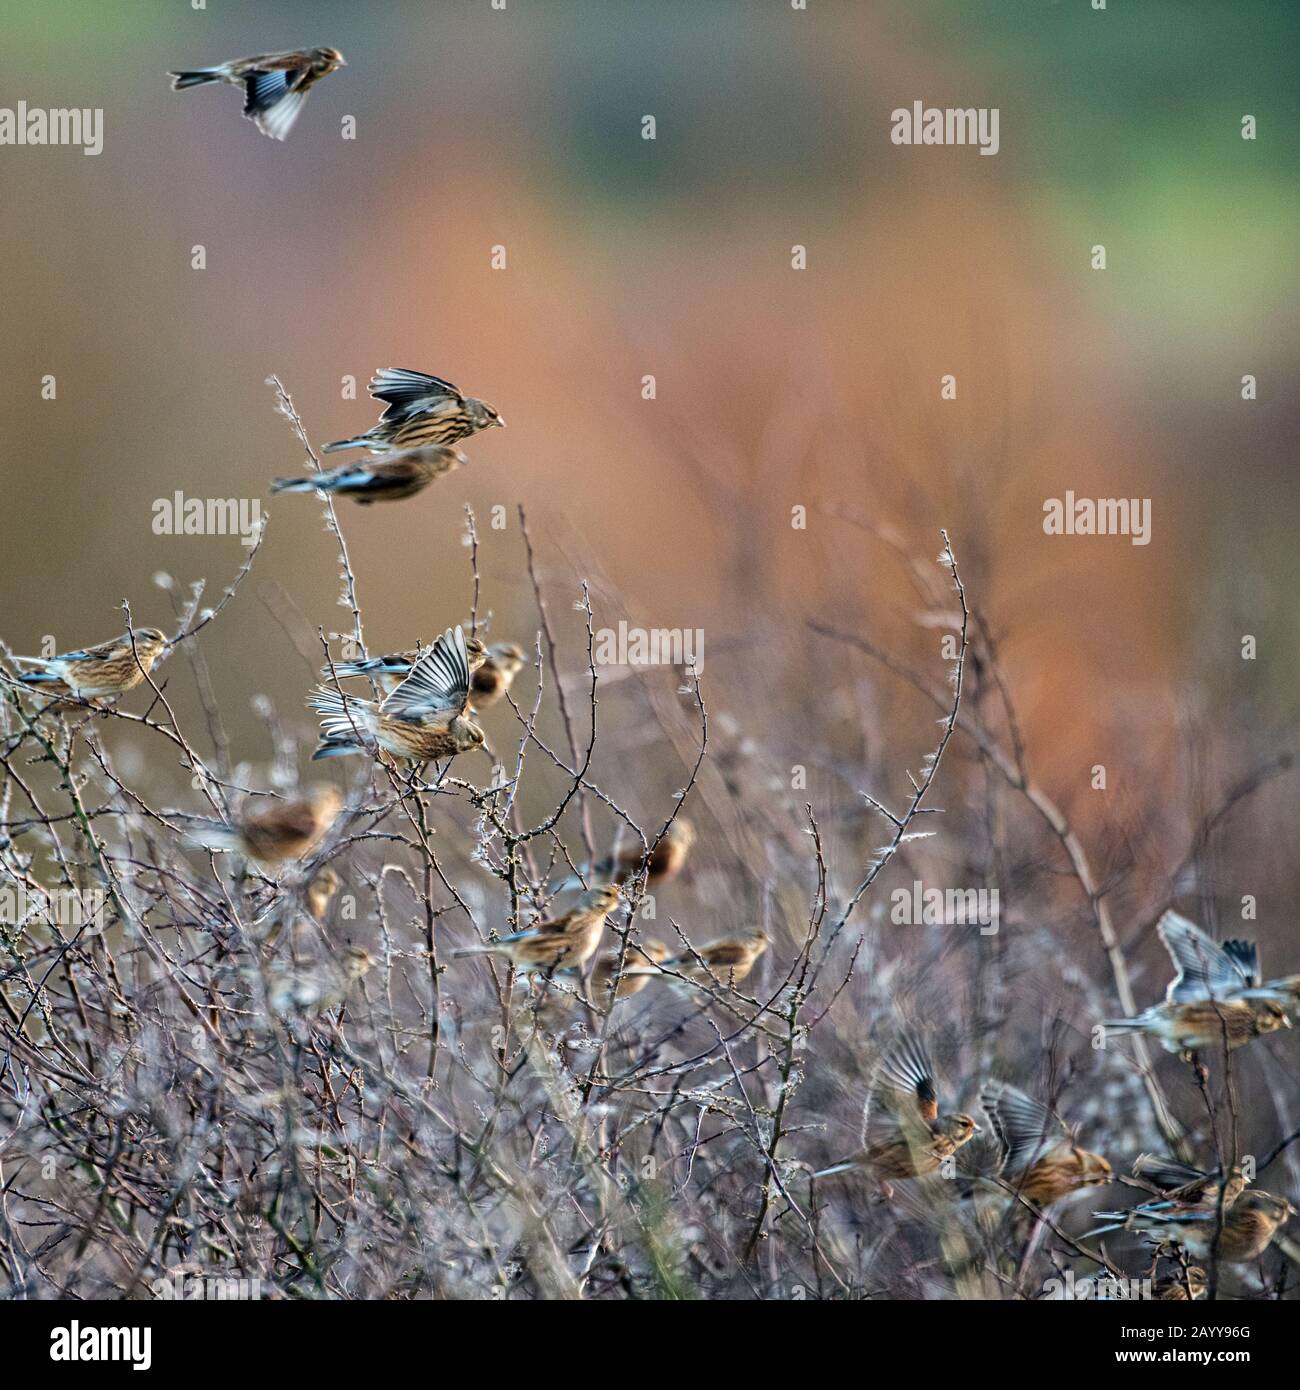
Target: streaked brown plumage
{"type": "Point", "coordinates": [273, 831]}
{"type": "Point", "coordinates": [560, 943]}
{"type": "Point", "coordinates": [1213, 1001]}
{"type": "Point", "coordinates": [423, 719]}
{"type": "Point", "coordinates": [724, 962]}
{"type": "Point", "coordinates": [1186, 1188]}
{"type": "Point", "coordinates": [495, 675]}
{"type": "Point", "coordinates": [421, 409]}
{"type": "Point", "coordinates": [383, 478]}
{"type": "Point", "coordinates": [1220, 969]}
{"type": "Point", "coordinates": [1248, 1226]}
{"type": "Point", "coordinates": [91, 673]}
{"type": "Point", "coordinates": [1205, 1023]}
{"type": "Point", "coordinates": [1041, 1160]}
{"type": "Point", "coordinates": [904, 1135]}
{"type": "Point", "coordinates": [275, 84]}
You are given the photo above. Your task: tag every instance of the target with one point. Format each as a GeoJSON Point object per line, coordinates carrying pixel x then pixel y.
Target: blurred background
{"type": "Point", "coordinates": [776, 388]}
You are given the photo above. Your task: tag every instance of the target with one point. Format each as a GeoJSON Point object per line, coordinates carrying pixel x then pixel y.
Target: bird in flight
{"type": "Point", "coordinates": [421, 409]}
{"type": "Point", "coordinates": [275, 84]}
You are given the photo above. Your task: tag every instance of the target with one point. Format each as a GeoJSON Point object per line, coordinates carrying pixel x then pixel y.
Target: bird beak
{"type": "Point", "coordinates": [343, 62]}
{"type": "Point", "coordinates": [499, 422]}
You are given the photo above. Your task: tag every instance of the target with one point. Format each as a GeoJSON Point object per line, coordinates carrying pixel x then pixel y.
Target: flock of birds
{"type": "Point", "coordinates": [427, 702]}
{"type": "Point", "coordinates": [1217, 999]}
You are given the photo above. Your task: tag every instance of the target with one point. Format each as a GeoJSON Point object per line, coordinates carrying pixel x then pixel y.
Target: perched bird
{"type": "Point", "coordinates": [1186, 1188]}
{"type": "Point", "coordinates": [1041, 1159]}
{"type": "Point", "coordinates": [98, 672]}
{"type": "Point", "coordinates": [666, 858]}
{"type": "Point", "coordinates": [560, 943]}
{"type": "Point", "coordinates": [422, 409]}
{"type": "Point", "coordinates": [724, 962]}
{"type": "Point", "coordinates": [390, 671]}
{"type": "Point", "coordinates": [424, 718]}
{"type": "Point", "coordinates": [275, 84]}
{"type": "Point", "coordinates": [602, 975]}
{"type": "Point", "coordinates": [1205, 1023]}
{"type": "Point", "coordinates": [276, 831]}
{"type": "Point", "coordinates": [384, 478]}
{"type": "Point", "coordinates": [321, 891]}
{"type": "Point", "coordinates": [1248, 1226]}
{"type": "Point", "coordinates": [502, 662]}
{"type": "Point", "coordinates": [904, 1135]}
{"type": "Point", "coordinates": [1206, 969]}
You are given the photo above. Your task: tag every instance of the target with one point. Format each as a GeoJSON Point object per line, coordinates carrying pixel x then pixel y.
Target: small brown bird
{"type": "Point", "coordinates": [273, 833]}
{"type": "Point", "coordinates": [1205, 1023]}
{"type": "Point", "coordinates": [275, 84]}
{"type": "Point", "coordinates": [904, 1135]}
{"type": "Point", "coordinates": [112, 668]}
{"type": "Point", "coordinates": [1041, 1160]}
{"type": "Point", "coordinates": [384, 478]}
{"type": "Point", "coordinates": [424, 718]}
{"type": "Point", "coordinates": [321, 891]}
{"type": "Point", "coordinates": [422, 409]}
{"type": "Point", "coordinates": [502, 662]}
{"type": "Point", "coordinates": [1186, 1188]}
{"type": "Point", "coordinates": [1206, 969]}
{"type": "Point", "coordinates": [725, 962]}
{"type": "Point", "coordinates": [1248, 1227]}
{"type": "Point", "coordinates": [564, 942]}
{"type": "Point", "coordinates": [666, 860]}
{"type": "Point", "coordinates": [602, 975]}
{"type": "Point", "coordinates": [390, 671]}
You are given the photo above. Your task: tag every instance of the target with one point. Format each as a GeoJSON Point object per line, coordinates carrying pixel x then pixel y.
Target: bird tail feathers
{"type": "Point", "coordinates": [195, 77]}
{"type": "Point", "coordinates": [359, 441]}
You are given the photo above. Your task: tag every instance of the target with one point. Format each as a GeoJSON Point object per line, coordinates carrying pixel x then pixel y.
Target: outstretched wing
{"type": "Point", "coordinates": [906, 1071]}
{"type": "Point", "coordinates": [405, 391]}
{"type": "Point", "coordinates": [1206, 970]}
{"type": "Point", "coordinates": [438, 686]}
{"type": "Point", "coordinates": [1167, 1174]}
{"type": "Point", "coordinates": [1025, 1127]}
